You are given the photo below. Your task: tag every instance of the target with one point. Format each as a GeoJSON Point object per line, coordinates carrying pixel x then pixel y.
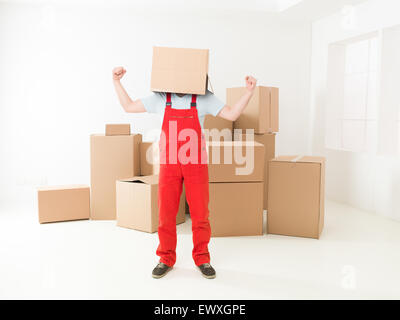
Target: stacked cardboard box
{"type": "Point", "coordinates": [294, 186]}
{"type": "Point", "coordinates": [268, 140]}
{"type": "Point", "coordinates": [113, 157]}
{"type": "Point", "coordinates": [236, 174]}
{"type": "Point", "coordinates": [118, 129]}
{"type": "Point", "coordinates": [236, 183]}
{"type": "Point", "coordinates": [217, 129]}
{"type": "Point", "coordinates": [149, 158]}
{"type": "Point", "coordinates": [262, 111]}
{"type": "Point", "coordinates": [260, 117]}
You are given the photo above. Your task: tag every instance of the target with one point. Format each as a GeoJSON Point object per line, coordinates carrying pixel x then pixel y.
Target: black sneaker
{"type": "Point", "coordinates": [160, 270]}
{"type": "Point", "coordinates": [207, 271]}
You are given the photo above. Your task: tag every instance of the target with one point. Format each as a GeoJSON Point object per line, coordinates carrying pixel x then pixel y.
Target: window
{"type": "Point", "coordinates": [352, 95]}
{"type": "Point", "coordinates": [363, 105]}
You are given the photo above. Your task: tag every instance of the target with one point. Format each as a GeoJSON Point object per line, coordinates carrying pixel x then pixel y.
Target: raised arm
{"type": "Point", "coordinates": [129, 105]}
{"type": "Point", "coordinates": [233, 112]}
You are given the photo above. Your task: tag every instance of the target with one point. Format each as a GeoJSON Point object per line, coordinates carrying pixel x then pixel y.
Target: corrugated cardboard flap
{"type": "Point", "coordinates": [151, 180]}
{"type": "Point", "coordinates": [63, 187]}
{"type": "Point", "coordinates": [104, 135]}
{"type": "Point", "coordinates": [300, 159]}
{"type": "Point", "coordinates": [233, 143]}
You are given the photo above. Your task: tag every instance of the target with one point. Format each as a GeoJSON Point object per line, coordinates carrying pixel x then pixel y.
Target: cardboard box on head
{"type": "Point", "coordinates": [179, 70]}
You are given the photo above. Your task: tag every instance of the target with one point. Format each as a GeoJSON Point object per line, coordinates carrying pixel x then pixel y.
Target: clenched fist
{"type": "Point", "coordinates": [251, 83]}
{"type": "Point", "coordinates": [118, 73]}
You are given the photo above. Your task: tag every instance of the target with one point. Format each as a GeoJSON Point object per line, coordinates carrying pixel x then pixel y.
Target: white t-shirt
{"type": "Point", "coordinates": [206, 104]}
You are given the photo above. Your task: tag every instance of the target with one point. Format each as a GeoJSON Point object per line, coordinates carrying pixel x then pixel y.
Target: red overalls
{"type": "Point", "coordinates": [182, 137]}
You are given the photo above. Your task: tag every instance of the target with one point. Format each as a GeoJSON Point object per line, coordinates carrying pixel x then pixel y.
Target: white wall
{"type": "Point", "coordinates": [367, 181]}
{"type": "Point", "coordinates": [56, 88]}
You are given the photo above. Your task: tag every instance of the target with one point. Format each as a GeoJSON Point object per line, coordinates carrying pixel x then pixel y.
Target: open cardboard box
{"type": "Point", "coordinates": [137, 204]}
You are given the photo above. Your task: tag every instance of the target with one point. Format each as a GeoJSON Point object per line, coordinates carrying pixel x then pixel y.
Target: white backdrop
{"type": "Point", "coordinates": [56, 88]}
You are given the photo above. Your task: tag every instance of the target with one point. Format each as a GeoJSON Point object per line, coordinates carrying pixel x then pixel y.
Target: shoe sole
{"type": "Point", "coordinates": [161, 276]}
{"type": "Point", "coordinates": [208, 277]}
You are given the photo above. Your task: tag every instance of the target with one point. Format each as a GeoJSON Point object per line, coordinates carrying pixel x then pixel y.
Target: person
{"type": "Point", "coordinates": [183, 114]}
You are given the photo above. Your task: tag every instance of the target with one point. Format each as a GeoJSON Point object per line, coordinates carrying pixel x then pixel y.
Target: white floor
{"type": "Point", "coordinates": [358, 256]}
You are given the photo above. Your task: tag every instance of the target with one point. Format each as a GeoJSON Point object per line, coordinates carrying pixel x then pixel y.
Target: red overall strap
{"type": "Point", "coordinates": [194, 101]}
{"type": "Point", "coordinates": [169, 101]}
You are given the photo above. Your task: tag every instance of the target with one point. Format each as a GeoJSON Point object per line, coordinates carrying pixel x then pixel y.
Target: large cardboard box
{"type": "Point", "coordinates": [179, 70]}
{"type": "Point", "coordinates": [235, 161]}
{"type": "Point", "coordinates": [268, 140]}
{"type": "Point", "coordinates": [118, 129]}
{"type": "Point", "coordinates": [137, 204]}
{"type": "Point", "coordinates": [63, 203]}
{"type": "Point", "coordinates": [236, 209]}
{"type": "Point", "coordinates": [112, 158]}
{"type": "Point", "coordinates": [296, 196]}
{"type": "Point", "coordinates": [262, 112]}
{"type": "Point", "coordinates": [149, 158]}
{"type": "Point", "coordinates": [217, 128]}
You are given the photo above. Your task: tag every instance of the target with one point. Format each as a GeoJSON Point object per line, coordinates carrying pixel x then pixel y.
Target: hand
{"type": "Point", "coordinates": [118, 73]}
{"type": "Point", "coordinates": [251, 83]}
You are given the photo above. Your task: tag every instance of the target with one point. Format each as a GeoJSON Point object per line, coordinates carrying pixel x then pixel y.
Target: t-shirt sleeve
{"type": "Point", "coordinates": [212, 104]}
{"type": "Point", "coordinates": [154, 103]}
